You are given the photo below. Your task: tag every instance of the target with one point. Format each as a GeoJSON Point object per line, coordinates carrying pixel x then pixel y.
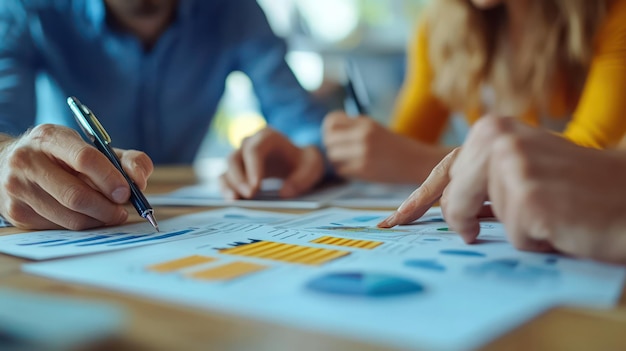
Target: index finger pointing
{"type": "Point", "coordinates": [425, 196]}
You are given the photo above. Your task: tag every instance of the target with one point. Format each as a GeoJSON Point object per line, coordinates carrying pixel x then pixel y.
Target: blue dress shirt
{"type": "Point", "coordinates": [160, 101]}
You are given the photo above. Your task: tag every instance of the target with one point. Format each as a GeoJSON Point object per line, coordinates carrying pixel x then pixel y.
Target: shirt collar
{"type": "Point", "coordinates": [96, 11]}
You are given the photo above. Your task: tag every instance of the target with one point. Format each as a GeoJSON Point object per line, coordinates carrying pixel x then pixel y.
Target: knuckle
{"type": "Point", "coordinates": [12, 185]}
{"type": "Point", "coordinates": [512, 153]}
{"type": "Point", "coordinates": [74, 197]}
{"type": "Point", "coordinates": [20, 158]}
{"type": "Point", "coordinates": [144, 161]}
{"type": "Point", "coordinates": [16, 214]}
{"type": "Point", "coordinates": [43, 132]}
{"type": "Point", "coordinates": [85, 154]}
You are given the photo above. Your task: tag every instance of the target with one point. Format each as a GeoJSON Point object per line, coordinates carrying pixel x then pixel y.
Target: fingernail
{"type": "Point", "coordinates": [385, 222]}
{"type": "Point", "coordinates": [120, 195]}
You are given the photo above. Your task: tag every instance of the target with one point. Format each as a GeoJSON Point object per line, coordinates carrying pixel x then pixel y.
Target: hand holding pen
{"type": "Point", "coordinates": [96, 133]}
{"type": "Point", "coordinates": [362, 148]}
{"type": "Point", "coordinates": [50, 178]}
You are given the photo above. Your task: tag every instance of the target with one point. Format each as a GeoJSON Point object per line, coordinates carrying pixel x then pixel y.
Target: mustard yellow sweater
{"type": "Point", "coordinates": [599, 116]}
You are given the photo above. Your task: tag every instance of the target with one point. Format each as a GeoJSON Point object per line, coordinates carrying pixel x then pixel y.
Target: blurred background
{"type": "Point", "coordinates": [322, 35]}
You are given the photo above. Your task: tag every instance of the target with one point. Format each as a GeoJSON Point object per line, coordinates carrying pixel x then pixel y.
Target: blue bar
{"type": "Point", "coordinates": [158, 237]}
{"type": "Point", "coordinates": [113, 240]}
{"type": "Point", "coordinates": [42, 242]}
{"type": "Point", "coordinates": [80, 241]}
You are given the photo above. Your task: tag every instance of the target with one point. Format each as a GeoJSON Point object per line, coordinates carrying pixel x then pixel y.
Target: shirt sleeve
{"type": "Point", "coordinates": [17, 69]}
{"type": "Point", "coordinates": [600, 117]}
{"type": "Point", "coordinates": [286, 105]}
{"type": "Point", "coordinates": [418, 113]}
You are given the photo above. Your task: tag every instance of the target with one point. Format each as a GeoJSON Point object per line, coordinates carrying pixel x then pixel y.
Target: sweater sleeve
{"type": "Point", "coordinates": [600, 117]}
{"type": "Point", "coordinates": [418, 113]}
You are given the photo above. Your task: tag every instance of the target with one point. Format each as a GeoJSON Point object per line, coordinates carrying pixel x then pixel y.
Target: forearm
{"type": "Point", "coordinates": [415, 160]}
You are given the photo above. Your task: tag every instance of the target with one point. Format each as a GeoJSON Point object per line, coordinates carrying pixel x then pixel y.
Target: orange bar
{"type": "Point", "coordinates": [180, 263]}
{"type": "Point", "coordinates": [228, 271]}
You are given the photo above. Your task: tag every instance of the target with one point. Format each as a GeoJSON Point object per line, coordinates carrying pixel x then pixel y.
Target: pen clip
{"type": "Point", "coordinates": [88, 121]}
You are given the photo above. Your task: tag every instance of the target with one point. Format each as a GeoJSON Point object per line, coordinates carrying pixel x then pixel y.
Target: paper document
{"type": "Point", "coordinates": [372, 195]}
{"type": "Point", "coordinates": [416, 286]}
{"type": "Point", "coordinates": [356, 194]}
{"type": "Point", "coordinates": [208, 194]}
{"type": "Point", "coordinates": [48, 244]}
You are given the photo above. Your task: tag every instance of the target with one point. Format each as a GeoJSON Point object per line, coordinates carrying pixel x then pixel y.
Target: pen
{"type": "Point", "coordinates": [355, 88]}
{"type": "Point", "coordinates": [94, 131]}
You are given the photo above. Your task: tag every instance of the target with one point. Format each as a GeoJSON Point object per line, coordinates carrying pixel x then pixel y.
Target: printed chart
{"type": "Point", "coordinates": [405, 293]}
{"type": "Point", "coordinates": [61, 243]}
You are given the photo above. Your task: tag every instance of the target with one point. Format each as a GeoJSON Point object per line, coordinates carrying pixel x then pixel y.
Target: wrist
{"type": "Point", "coordinates": [320, 162]}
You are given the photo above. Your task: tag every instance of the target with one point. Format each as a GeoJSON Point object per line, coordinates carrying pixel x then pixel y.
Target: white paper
{"type": "Point", "coordinates": [355, 195]}
{"type": "Point", "coordinates": [469, 294]}
{"type": "Point", "coordinates": [48, 244]}
{"type": "Point", "coordinates": [372, 195]}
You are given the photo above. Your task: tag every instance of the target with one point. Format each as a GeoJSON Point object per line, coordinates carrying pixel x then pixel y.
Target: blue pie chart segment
{"type": "Point", "coordinates": [364, 284]}
{"type": "Point", "coordinates": [430, 265]}
{"type": "Point", "coordinates": [466, 253]}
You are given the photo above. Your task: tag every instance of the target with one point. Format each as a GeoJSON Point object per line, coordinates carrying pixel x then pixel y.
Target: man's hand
{"type": "Point", "coordinates": [363, 149]}
{"type": "Point", "coordinates": [50, 178]}
{"type": "Point", "coordinates": [548, 193]}
{"type": "Point", "coordinates": [269, 154]}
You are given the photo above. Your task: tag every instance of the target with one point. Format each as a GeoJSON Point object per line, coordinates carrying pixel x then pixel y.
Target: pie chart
{"type": "Point", "coordinates": [364, 284]}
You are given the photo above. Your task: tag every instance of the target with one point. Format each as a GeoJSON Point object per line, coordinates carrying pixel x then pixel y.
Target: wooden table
{"type": "Point", "coordinates": [154, 325]}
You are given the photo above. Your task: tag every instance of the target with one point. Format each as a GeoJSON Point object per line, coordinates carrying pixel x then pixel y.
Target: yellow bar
{"type": "Point", "coordinates": [328, 240]}
{"type": "Point", "coordinates": [361, 244]}
{"type": "Point", "coordinates": [251, 249]}
{"type": "Point", "coordinates": [300, 256]}
{"type": "Point", "coordinates": [323, 256]}
{"type": "Point", "coordinates": [371, 244]}
{"type": "Point", "coordinates": [345, 242]}
{"type": "Point", "coordinates": [180, 263]}
{"type": "Point", "coordinates": [276, 251]}
{"type": "Point", "coordinates": [288, 252]}
{"type": "Point", "coordinates": [283, 252]}
{"type": "Point", "coordinates": [328, 258]}
{"type": "Point", "coordinates": [228, 271]}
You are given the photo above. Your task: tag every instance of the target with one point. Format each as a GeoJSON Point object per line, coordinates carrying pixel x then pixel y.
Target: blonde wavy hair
{"type": "Point", "coordinates": [468, 48]}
